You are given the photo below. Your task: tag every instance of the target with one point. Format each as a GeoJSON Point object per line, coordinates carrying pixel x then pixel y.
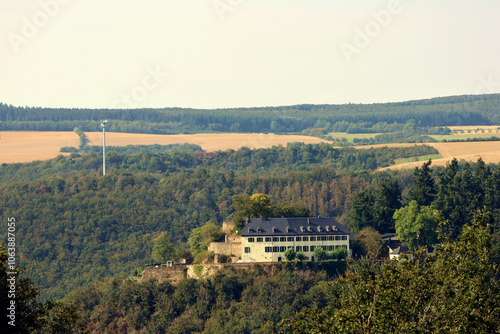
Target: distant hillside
{"type": "Point", "coordinates": [442, 111]}
{"type": "Point", "coordinates": [272, 161]}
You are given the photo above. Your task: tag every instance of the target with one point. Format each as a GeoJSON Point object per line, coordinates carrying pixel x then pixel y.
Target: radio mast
{"type": "Point", "coordinates": [103, 124]}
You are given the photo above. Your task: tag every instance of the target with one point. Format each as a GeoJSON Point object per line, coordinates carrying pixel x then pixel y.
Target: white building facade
{"type": "Point", "coordinates": [267, 239]}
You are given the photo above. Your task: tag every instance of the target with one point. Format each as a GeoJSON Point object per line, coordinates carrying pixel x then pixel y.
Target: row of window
{"type": "Point", "coordinates": [288, 239]}
{"type": "Point", "coordinates": [282, 249]}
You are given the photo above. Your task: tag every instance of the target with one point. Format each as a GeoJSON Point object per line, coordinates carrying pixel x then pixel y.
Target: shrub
{"type": "Point", "coordinates": [320, 254]}
{"type": "Point", "coordinates": [290, 254]}
{"type": "Point", "coordinates": [198, 269]}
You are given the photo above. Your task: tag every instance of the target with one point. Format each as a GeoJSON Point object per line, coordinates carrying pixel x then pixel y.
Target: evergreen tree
{"type": "Point", "coordinates": [362, 211]}
{"type": "Point", "coordinates": [423, 189]}
{"type": "Point", "coordinates": [387, 201]}
{"type": "Point", "coordinates": [458, 291]}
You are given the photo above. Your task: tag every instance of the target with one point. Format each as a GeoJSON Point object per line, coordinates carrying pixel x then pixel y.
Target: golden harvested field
{"type": "Point", "coordinates": [470, 131]}
{"type": "Point", "coordinates": [387, 145]}
{"type": "Point", "coordinates": [207, 141]}
{"type": "Point", "coordinates": [21, 146]}
{"type": "Point", "coordinates": [489, 151]}
{"type": "Point", "coordinates": [473, 128]}
{"type": "Point", "coordinates": [27, 146]}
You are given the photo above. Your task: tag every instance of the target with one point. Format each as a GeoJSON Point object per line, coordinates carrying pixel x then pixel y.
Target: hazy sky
{"type": "Point", "coordinates": [232, 53]}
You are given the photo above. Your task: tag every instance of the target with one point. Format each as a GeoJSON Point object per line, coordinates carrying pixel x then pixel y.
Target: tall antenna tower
{"type": "Point", "coordinates": [103, 124]}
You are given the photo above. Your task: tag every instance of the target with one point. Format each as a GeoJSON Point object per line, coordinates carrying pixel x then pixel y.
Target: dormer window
{"type": "Point", "coordinates": [309, 228]}
{"type": "Point", "coordinates": [302, 229]}
{"type": "Point", "coordinates": [327, 228]}
{"type": "Point", "coordinates": [319, 228]}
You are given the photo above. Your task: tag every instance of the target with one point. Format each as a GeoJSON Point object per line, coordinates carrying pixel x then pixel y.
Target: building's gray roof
{"type": "Point", "coordinates": [293, 226]}
{"type": "Point", "coordinates": [399, 250]}
{"type": "Point", "coordinates": [388, 235]}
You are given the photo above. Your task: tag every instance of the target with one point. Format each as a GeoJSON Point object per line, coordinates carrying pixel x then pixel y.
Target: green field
{"type": "Point", "coordinates": [351, 136]}
{"type": "Point", "coordinates": [465, 136]}
{"type": "Point", "coordinates": [415, 159]}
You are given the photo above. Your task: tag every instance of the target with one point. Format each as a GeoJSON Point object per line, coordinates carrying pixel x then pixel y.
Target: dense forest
{"type": "Point", "coordinates": [83, 226]}
{"type": "Point", "coordinates": [443, 111]}
{"type": "Point", "coordinates": [272, 161]}
{"type": "Point", "coordinates": [453, 194]}
{"type": "Point", "coordinates": [131, 149]}
{"type": "Point", "coordinates": [457, 290]}
{"type": "Point", "coordinates": [82, 236]}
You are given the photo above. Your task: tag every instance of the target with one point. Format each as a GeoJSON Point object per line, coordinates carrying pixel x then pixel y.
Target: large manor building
{"type": "Point", "coordinates": [267, 239]}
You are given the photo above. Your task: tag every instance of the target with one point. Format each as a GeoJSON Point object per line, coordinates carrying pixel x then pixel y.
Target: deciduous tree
{"type": "Point", "coordinates": [416, 225]}
{"type": "Point", "coordinates": [370, 241]}
{"type": "Point", "coordinates": [456, 291]}
{"type": "Point", "coordinates": [163, 249]}
{"type": "Point", "coordinates": [290, 254]}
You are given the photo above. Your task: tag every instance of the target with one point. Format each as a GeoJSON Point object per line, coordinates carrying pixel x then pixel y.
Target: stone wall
{"type": "Point", "coordinates": [207, 270]}
{"type": "Point", "coordinates": [231, 245]}
{"type": "Point", "coordinates": [233, 238]}
{"type": "Point", "coordinates": [177, 272]}
{"type": "Point", "coordinates": [163, 273]}
{"type": "Point", "coordinates": [227, 227]}
{"type": "Point", "coordinates": [226, 248]}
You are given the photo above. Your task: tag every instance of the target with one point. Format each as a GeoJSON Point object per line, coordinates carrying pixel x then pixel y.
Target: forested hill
{"type": "Point", "coordinates": [272, 161]}
{"type": "Point", "coordinates": [75, 226]}
{"type": "Point", "coordinates": [442, 111]}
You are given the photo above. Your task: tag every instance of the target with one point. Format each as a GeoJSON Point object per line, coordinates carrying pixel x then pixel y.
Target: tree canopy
{"type": "Point", "coordinates": [370, 241]}
{"type": "Point", "coordinates": [163, 248]}
{"type": "Point", "coordinates": [455, 291]}
{"type": "Point", "coordinates": [442, 111]}
{"type": "Point", "coordinates": [416, 225]}
{"type": "Point", "coordinates": [261, 205]}
{"type": "Point", "coordinates": [423, 189]}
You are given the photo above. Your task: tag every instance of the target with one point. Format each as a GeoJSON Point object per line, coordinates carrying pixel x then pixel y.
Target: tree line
{"type": "Point", "coordinates": [132, 149]}
{"type": "Point", "coordinates": [452, 194]}
{"type": "Point", "coordinates": [271, 161]}
{"type": "Point", "coordinates": [445, 111]}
